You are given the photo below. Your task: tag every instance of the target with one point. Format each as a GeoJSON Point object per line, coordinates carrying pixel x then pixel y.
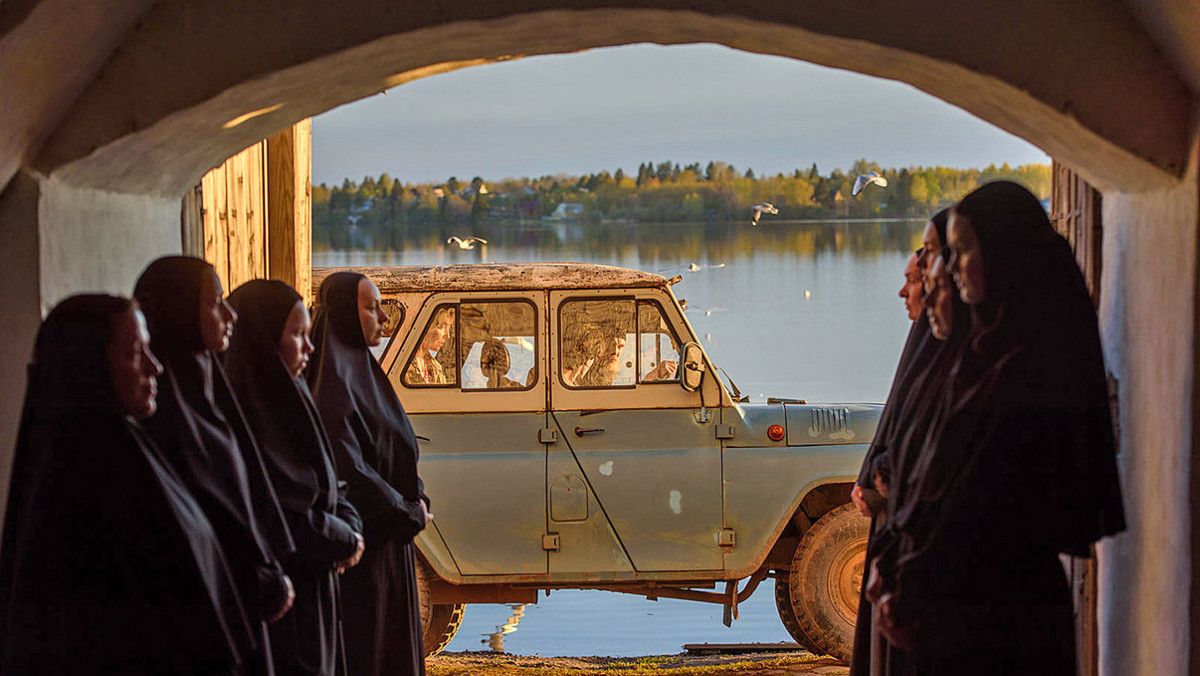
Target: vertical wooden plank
{"type": "Point", "coordinates": [216, 241]}
{"type": "Point", "coordinates": [237, 222]}
{"type": "Point", "coordinates": [303, 210]}
{"type": "Point", "coordinates": [256, 214]}
{"type": "Point", "coordinates": [191, 223]}
{"type": "Point", "coordinates": [289, 191]}
{"type": "Point", "coordinates": [210, 214]}
{"type": "Point", "coordinates": [1075, 214]}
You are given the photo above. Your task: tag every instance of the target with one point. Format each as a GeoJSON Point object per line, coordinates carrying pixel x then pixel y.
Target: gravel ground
{"type": "Point", "coordinates": [764, 664]}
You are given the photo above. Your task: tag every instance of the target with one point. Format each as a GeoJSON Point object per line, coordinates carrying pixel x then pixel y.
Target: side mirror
{"type": "Point", "coordinates": [693, 367]}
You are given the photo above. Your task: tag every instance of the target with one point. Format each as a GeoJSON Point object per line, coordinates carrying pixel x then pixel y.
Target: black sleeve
{"type": "Point", "coordinates": [386, 514]}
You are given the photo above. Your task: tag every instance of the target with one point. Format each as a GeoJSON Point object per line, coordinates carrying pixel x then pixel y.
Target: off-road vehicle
{"type": "Point", "coordinates": [574, 434]}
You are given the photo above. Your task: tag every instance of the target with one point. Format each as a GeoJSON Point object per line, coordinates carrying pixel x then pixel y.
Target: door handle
{"type": "Point", "coordinates": [580, 431]}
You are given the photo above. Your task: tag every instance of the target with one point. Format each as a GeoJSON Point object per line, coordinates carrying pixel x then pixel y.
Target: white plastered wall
{"type": "Point", "coordinates": [57, 240]}
{"type": "Point", "coordinates": [1147, 322]}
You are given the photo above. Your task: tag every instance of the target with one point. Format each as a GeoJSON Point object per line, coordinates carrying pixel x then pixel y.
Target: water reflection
{"type": "Point", "coordinates": [805, 310]}
{"type": "Point", "coordinates": [495, 640]}
{"type": "Point", "coordinates": [792, 309]}
{"type": "Point", "coordinates": [691, 243]}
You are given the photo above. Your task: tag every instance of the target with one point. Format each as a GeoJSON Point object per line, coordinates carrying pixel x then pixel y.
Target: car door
{"type": "Point", "coordinates": [469, 374]}
{"type": "Point", "coordinates": [644, 448]}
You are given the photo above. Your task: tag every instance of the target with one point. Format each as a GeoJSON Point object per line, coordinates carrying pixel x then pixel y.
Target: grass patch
{"type": "Point", "coordinates": [507, 665]}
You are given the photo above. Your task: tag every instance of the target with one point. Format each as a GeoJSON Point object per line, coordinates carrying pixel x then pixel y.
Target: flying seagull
{"type": "Point", "coordinates": [760, 209]}
{"type": "Point", "coordinates": [466, 244]}
{"type": "Point", "coordinates": [691, 267]}
{"type": "Point", "coordinates": [865, 179]}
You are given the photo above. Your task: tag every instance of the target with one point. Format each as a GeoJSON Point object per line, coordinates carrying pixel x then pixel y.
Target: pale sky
{"type": "Point", "coordinates": [618, 107]}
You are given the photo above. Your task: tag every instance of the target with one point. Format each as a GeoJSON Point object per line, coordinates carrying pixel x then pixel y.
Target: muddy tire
{"type": "Point", "coordinates": [824, 582]}
{"type": "Point", "coordinates": [444, 622]}
{"type": "Point", "coordinates": [440, 621]}
{"type": "Point", "coordinates": [783, 605]}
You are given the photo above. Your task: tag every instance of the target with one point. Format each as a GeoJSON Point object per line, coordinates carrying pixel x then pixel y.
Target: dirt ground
{"type": "Point", "coordinates": [763, 664]}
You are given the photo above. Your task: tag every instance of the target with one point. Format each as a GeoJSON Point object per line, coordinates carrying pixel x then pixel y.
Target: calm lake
{"type": "Point", "coordinates": [792, 309]}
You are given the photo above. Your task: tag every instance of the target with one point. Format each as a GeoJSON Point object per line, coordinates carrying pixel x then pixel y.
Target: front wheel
{"type": "Point", "coordinates": [439, 621]}
{"type": "Point", "coordinates": [818, 598]}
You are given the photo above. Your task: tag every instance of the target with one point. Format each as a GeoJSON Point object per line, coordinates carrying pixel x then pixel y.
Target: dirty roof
{"type": "Point", "coordinates": [484, 277]}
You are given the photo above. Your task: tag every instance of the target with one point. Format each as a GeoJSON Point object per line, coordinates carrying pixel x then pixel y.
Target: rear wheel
{"type": "Point", "coordinates": [818, 598]}
{"type": "Point", "coordinates": [439, 621]}
{"type": "Point", "coordinates": [783, 604]}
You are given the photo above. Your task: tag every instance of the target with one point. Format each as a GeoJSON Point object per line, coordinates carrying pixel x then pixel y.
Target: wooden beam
{"type": "Point", "coordinates": [288, 196]}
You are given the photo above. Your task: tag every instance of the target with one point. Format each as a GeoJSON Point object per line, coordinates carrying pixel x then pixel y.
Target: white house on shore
{"type": "Point", "coordinates": [566, 211]}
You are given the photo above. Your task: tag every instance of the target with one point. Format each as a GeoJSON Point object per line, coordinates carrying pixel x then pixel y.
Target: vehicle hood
{"type": "Point", "coordinates": [805, 424]}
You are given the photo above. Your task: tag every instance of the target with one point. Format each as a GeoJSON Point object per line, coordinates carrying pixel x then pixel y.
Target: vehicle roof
{"type": "Point", "coordinates": [489, 277]}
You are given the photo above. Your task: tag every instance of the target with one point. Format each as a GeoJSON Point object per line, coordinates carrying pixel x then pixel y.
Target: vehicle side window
{"type": "Point", "coordinates": [496, 341]}
{"type": "Point", "coordinates": [395, 314]}
{"type": "Point", "coordinates": [432, 363]}
{"type": "Point", "coordinates": [596, 343]}
{"type": "Point", "coordinates": [658, 347]}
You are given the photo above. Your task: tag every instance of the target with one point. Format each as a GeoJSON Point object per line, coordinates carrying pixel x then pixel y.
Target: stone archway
{"type": "Point", "coordinates": [189, 87]}
{"type": "Point", "coordinates": [111, 109]}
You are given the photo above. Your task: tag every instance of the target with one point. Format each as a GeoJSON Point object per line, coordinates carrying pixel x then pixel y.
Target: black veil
{"type": "Point", "coordinates": [203, 433]}
{"type": "Point", "coordinates": [108, 564]}
{"type": "Point", "coordinates": [300, 462]}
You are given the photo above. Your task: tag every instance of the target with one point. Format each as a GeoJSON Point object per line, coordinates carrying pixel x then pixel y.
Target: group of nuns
{"type": "Point", "coordinates": [191, 498]}
{"type": "Point", "coordinates": [994, 454]}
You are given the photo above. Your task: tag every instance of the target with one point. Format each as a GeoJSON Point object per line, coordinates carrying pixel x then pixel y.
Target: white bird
{"type": "Point", "coordinates": [864, 180]}
{"type": "Point", "coordinates": [466, 244]}
{"type": "Point", "coordinates": [760, 209]}
{"type": "Point", "coordinates": [690, 267]}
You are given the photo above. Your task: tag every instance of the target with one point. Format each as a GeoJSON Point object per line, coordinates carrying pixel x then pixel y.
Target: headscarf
{"type": "Point", "coordinates": [286, 424]}
{"type": "Point", "coordinates": [919, 348]}
{"type": "Point", "coordinates": [1023, 448]}
{"type": "Point", "coordinates": [202, 431]}
{"type": "Point", "coordinates": [300, 462]}
{"type": "Point", "coordinates": [374, 443]}
{"type": "Point", "coordinates": [107, 562]}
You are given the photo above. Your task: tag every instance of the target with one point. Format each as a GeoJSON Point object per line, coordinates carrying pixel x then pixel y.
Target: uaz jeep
{"type": "Point", "coordinates": [575, 435]}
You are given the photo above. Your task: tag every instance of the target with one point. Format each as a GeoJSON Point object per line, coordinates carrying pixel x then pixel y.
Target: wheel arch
{"type": "Point", "coordinates": [818, 497]}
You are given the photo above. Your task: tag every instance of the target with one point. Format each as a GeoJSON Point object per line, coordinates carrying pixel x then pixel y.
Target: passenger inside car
{"type": "Point", "coordinates": [429, 363]}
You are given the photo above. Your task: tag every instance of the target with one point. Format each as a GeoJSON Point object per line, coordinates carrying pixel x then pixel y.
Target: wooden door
{"type": "Point", "coordinates": [1076, 215]}
{"type": "Point", "coordinates": [251, 217]}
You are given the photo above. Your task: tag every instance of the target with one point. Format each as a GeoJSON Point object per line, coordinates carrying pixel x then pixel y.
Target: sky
{"type": "Point", "coordinates": [618, 107]}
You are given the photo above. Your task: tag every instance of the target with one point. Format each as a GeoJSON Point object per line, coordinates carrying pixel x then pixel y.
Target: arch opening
{"type": "Point", "coordinates": [180, 132]}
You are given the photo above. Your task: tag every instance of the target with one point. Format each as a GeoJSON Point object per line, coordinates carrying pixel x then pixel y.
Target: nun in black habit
{"type": "Point", "coordinates": [903, 418]}
{"type": "Point", "coordinates": [266, 356]}
{"type": "Point", "coordinates": [108, 564]}
{"type": "Point", "coordinates": [1020, 462]}
{"type": "Point", "coordinates": [202, 432]}
{"type": "Point", "coordinates": [376, 453]}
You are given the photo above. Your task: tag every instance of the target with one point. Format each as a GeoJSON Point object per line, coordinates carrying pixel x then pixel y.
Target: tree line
{"type": "Point", "coordinates": [658, 192]}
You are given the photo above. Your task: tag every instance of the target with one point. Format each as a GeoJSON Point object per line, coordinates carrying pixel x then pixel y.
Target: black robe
{"type": "Point", "coordinates": [918, 349]}
{"type": "Point", "coordinates": [203, 434]}
{"type": "Point", "coordinates": [108, 564]}
{"type": "Point", "coordinates": [308, 640]}
{"type": "Point", "coordinates": [376, 453]}
{"type": "Point", "coordinates": [1019, 466]}
{"type": "Point", "coordinates": [892, 436]}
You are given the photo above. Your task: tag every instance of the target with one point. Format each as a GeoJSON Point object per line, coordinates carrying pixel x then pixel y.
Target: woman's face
{"type": "Point", "coordinates": [438, 332]}
{"type": "Point", "coordinates": [370, 312]}
{"type": "Point", "coordinates": [133, 368]}
{"type": "Point", "coordinates": [966, 259]}
{"type": "Point", "coordinates": [294, 345]}
{"type": "Point", "coordinates": [911, 291]}
{"type": "Point", "coordinates": [931, 248]}
{"type": "Point", "coordinates": [939, 304]}
{"type": "Point", "coordinates": [216, 316]}
{"type": "Point", "coordinates": [616, 346]}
